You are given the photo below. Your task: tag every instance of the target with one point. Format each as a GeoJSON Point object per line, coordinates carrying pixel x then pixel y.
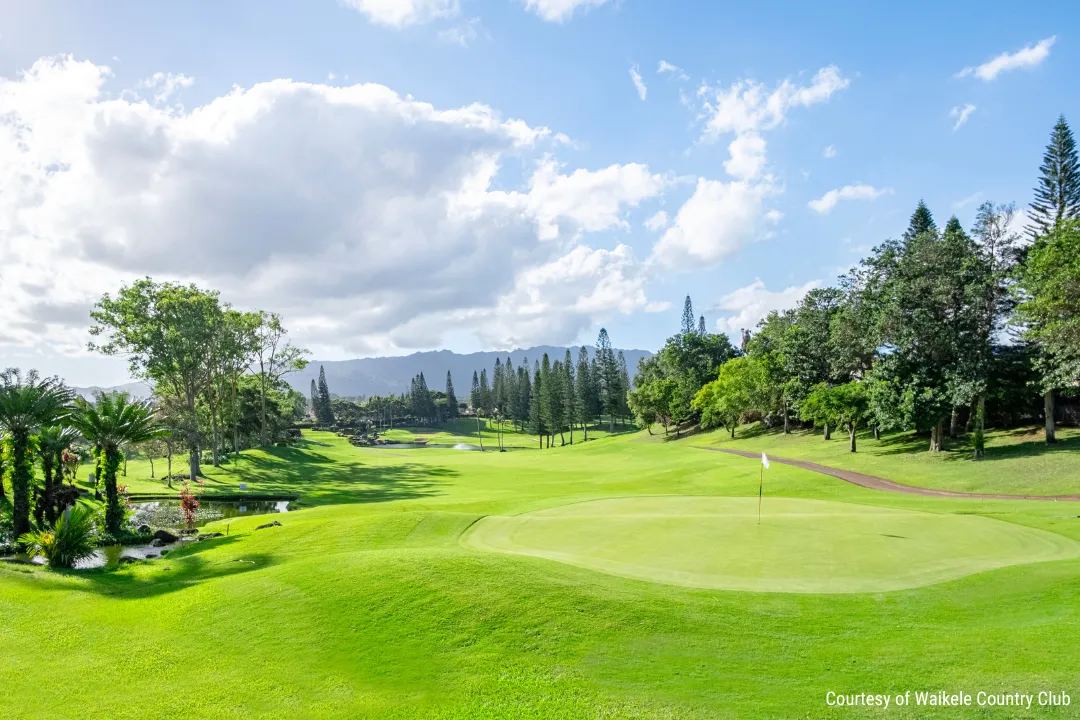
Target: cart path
{"type": "Point", "coordinates": [876, 483]}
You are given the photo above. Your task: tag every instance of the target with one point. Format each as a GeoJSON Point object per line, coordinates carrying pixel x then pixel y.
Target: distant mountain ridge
{"type": "Point", "coordinates": [135, 389]}
{"type": "Point", "coordinates": [383, 375]}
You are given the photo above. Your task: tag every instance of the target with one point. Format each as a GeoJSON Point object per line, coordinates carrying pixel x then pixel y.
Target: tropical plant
{"type": "Point", "coordinates": [114, 420]}
{"type": "Point", "coordinates": [70, 540]}
{"type": "Point", "coordinates": [52, 442]}
{"type": "Point", "coordinates": [26, 404]}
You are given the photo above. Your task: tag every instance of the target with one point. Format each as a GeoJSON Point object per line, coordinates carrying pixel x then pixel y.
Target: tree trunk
{"type": "Point", "coordinates": [168, 469]}
{"type": "Point", "coordinates": [1048, 411]}
{"type": "Point", "coordinates": [732, 430]}
{"type": "Point", "coordinates": [648, 426]}
{"type": "Point", "coordinates": [50, 489]}
{"type": "Point", "coordinates": [193, 463]}
{"type": "Point", "coordinates": [954, 422]}
{"type": "Point", "coordinates": [585, 431]}
{"type": "Point", "coordinates": [828, 432]}
{"type": "Point", "coordinates": [787, 420]}
{"type": "Point", "coordinates": [151, 466]}
{"type": "Point", "coordinates": [852, 431]}
{"type": "Point", "coordinates": [262, 410]}
{"type": "Point", "coordinates": [877, 432]}
{"type": "Point", "coordinates": [22, 475]}
{"type": "Point", "coordinates": [980, 424]}
{"type": "Point", "coordinates": [937, 433]}
{"type": "Point", "coordinates": [611, 423]}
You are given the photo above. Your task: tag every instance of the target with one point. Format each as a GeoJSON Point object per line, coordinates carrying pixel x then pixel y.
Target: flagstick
{"type": "Point", "coordinates": [761, 486]}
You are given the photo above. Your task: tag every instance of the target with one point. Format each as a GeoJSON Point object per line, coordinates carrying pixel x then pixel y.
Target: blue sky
{"type": "Point", "coordinates": [883, 88]}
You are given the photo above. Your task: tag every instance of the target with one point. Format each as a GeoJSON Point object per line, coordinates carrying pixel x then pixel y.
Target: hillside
{"type": "Point", "coordinates": [382, 375]}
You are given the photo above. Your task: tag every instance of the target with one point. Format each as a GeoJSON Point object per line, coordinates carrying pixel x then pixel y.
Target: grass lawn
{"type": "Point", "coordinates": [1017, 461]}
{"type": "Point", "coordinates": [369, 604]}
{"type": "Point", "coordinates": [463, 430]}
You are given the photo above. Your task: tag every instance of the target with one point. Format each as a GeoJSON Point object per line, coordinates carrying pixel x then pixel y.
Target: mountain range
{"type": "Point", "coordinates": [383, 375]}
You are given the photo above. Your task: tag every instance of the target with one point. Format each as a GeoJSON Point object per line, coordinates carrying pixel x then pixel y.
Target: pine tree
{"type": "Point", "coordinates": [497, 388]}
{"type": "Point", "coordinates": [326, 413]}
{"type": "Point", "coordinates": [485, 392]}
{"type": "Point", "coordinates": [536, 410]}
{"type": "Point", "coordinates": [451, 397]}
{"type": "Point", "coordinates": [701, 326]}
{"type": "Point", "coordinates": [509, 391]}
{"type": "Point", "coordinates": [609, 372]}
{"type": "Point", "coordinates": [624, 387]}
{"type": "Point", "coordinates": [583, 391]}
{"type": "Point", "coordinates": [314, 400]}
{"type": "Point", "coordinates": [557, 401]}
{"type": "Point", "coordinates": [474, 397]}
{"type": "Point", "coordinates": [687, 317]}
{"type": "Point", "coordinates": [922, 221]}
{"type": "Point", "coordinates": [1057, 197]}
{"type": "Point", "coordinates": [570, 402]}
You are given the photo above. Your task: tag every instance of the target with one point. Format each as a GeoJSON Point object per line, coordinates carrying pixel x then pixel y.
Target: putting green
{"type": "Point", "coordinates": [805, 546]}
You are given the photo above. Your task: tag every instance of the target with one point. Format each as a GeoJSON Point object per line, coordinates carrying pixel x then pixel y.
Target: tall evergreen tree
{"type": "Point", "coordinates": [314, 399]}
{"type": "Point", "coordinates": [536, 410]}
{"type": "Point", "coordinates": [570, 400]}
{"type": "Point", "coordinates": [497, 399]}
{"type": "Point", "coordinates": [326, 412]}
{"type": "Point", "coordinates": [609, 372]}
{"type": "Point", "coordinates": [451, 397]}
{"type": "Point", "coordinates": [556, 402]}
{"type": "Point", "coordinates": [702, 330]}
{"type": "Point", "coordinates": [922, 221]}
{"type": "Point", "coordinates": [583, 391]}
{"type": "Point", "coordinates": [475, 397]}
{"type": "Point", "coordinates": [687, 316]}
{"type": "Point", "coordinates": [522, 394]}
{"type": "Point", "coordinates": [1057, 197]}
{"type": "Point", "coordinates": [624, 387]}
{"type": "Point", "coordinates": [485, 392]}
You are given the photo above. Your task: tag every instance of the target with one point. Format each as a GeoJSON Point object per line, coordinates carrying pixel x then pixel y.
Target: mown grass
{"type": "Point", "coordinates": [1017, 461]}
{"type": "Point", "coordinates": [366, 605]}
{"type": "Point", "coordinates": [464, 430]}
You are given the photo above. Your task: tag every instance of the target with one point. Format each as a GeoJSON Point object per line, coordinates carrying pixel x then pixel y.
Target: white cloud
{"type": "Point", "coordinates": [829, 200]}
{"type": "Point", "coordinates": [369, 220]}
{"type": "Point", "coordinates": [969, 200]}
{"type": "Point", "coordinates": [657, 307]}
{"type": "Point", "coordinates": [718, 220]}
{"type": "Point", "coordinates": [829, 152]}
{"type": "Point", "coordinates": [656, 222]}
{"type": "Point", "coordinates": [399, 13]}
{"type": "Point", "coordinates": [753, 303]}
{"type": "Point", "coordinates": [560, 10]}
{"type": "Point", "coordinates": [464, 34]}
{"type": "Point", "coordinates": [747, 158]}
{"type": "Point", "coordinates": [961, 115]}
{"type": "Point", "coordinates": [639, 84]}
{"type": "Point", "coordinates": [164, 85]}
{"type": "Point", "coordinates": [1027, 57]}
{"type": "Point", "coordinates": [675, 70]}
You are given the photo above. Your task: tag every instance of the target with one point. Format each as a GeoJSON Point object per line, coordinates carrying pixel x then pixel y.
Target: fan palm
{"type": "Point", "coordinates": [113, 420]}
{"type": "Point", "coordinates": [53, 440]}
{"type": "Point", "coordinates": [27, 403]}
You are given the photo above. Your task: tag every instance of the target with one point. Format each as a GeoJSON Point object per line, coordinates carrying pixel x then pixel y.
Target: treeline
{"type": "Point", "coordinates": [938, 331]}
{"type": "Point", "coordinates": [551, 398]}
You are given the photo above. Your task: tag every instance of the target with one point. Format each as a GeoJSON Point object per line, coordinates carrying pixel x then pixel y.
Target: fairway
{"type": "Point", "coordinates": [801, 546]}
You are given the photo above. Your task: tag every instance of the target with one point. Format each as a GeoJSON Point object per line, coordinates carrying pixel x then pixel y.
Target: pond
{"type": "Point", "coordinates": [166, 514]}
{"type": "Point", "coordinates": [419, 445]}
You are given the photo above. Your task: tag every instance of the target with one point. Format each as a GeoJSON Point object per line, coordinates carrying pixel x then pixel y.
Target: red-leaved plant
{"type": "Point", "coordinates": [189, 504]}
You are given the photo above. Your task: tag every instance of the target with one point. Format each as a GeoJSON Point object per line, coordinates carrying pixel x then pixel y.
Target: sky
{"type": "Point", "coordinates": [401, 175]}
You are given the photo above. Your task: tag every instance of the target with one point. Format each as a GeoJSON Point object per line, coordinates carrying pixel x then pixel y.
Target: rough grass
{"type": "Point", "coordinates": [367, 605]}
{"type": "Point", "coordinates": [1017, 461]}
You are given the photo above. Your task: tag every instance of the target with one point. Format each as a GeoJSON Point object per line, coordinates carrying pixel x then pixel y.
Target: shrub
{"type": "Point", "coordinates": [72, 539]}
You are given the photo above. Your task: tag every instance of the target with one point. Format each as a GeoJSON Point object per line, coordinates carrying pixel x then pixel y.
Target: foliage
{"type": "Point", "coordinates": [71, 539]}
{"type": "Point", "coordinates": [189, 503]}
{"type": "Point", "coordinates": [1057, 196]}
{"type": "Point", "coordinates": [845, 406]}
{"type": "Point", "coordinates": [737, 389]}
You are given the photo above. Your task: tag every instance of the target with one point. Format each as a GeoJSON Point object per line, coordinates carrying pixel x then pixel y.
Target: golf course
{"type": "Point", "coordinates": [623, 577]}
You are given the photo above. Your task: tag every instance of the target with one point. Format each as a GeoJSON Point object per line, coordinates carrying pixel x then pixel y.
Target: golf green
{"type": "Point", "coordinates": [804, 546]}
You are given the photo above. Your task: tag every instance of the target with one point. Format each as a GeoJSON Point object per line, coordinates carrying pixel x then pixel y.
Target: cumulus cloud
{"type": "Point", "coordinates": [747, 158]}
{"type": "Point", "coordinates": [558, 10]}
{"type": "Point", "coordinates": [639, 84]}
{"type": "Point", "coordinates": [400, 13]}
{"type": "Point", "coordinates": [1027, 57]}
{"type": "Point", "coordinates": [829, 200]}
{"type": "Point", "coordinates": [164, 85]}
{"type": "Point", "coordinates": [961, 115]}
{"type": "Point", "coordinates": [464, 34]}
{"type": "Point", "coordinates": [658, 221]}
{"type": "Point", "coordinates": [719, 219]}
{"type": "Point", "coordinates": [373, 222]}
{"type": "Point", "coordinates": [751, 304]}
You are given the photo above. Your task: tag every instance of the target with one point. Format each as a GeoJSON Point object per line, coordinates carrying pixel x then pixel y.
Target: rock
{"type": "Point", "coordinates": [164, 553]}
{"type": "Point", "coordinates": [127, 559]}
{"type": "Point", "coordinates": [145, 529]}
{"type": "Point", "coordinates": [269, 525]}
{"type": "Point", "coordinates": [150, 556]}
{"type": "Point", "coordinates": [165, 536]}
{"type": "Point", "coordinates": [189, 531]}
{"type": "Point", "coordinates": [209, 536]}
{"type": "Point", "coordinates": [157, 542]}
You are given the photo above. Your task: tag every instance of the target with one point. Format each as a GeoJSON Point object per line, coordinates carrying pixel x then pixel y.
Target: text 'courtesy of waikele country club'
{"type": "Point", "coordinates": [946, 699]}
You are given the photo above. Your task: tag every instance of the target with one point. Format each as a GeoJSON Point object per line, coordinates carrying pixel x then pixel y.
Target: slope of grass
{"type": "Point", "coordinates": [367, 605]}
{"type": "Point", "coordinates": [1017, 461]}
{"type": "Point", "coordinates": [464, 430]}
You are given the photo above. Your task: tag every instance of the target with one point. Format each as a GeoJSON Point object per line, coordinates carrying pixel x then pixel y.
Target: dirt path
{"type": "Point", "coordinates": [876, 483]}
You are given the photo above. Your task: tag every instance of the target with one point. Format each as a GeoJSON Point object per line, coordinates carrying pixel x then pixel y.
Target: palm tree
{"type": "Point", "coordinates": [53, 440]}
{"type": "Point", "coordinates": [25, 405]}
{"type": "Point", "coordinates": [114, 419]}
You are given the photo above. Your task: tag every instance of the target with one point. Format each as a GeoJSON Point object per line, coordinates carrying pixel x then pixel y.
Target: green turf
{"type": "Point", "coordinates": [464, 430]}
{"type": "Point", "coordinates": [366, 604]}
{"type": "Point", "coordinates": [1017, 461]}
{"type": "Point", "coordinates": [807, 546]}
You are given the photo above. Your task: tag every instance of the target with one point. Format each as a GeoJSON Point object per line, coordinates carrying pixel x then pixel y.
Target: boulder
{"type": "Point", "coordinates": [127, 559]}
{"type": "Point", "coordinates": [145, 529]}
{"type": "Point", "coordinates": [157, 542]}
{"type": "Point", "coordinates": [189, 531]}
{"type": "Point", "coordinates": [269, 525]}
{"type": "Point", "coordinates": [209, 536]}
{"type": "Point", "coordinates": [165, 536]}
{"type": "Point", "coordinates": [150, 556]}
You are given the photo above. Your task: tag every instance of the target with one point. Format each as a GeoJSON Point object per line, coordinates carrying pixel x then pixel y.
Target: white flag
{"type": "Point", "coordinates": [765, 460]}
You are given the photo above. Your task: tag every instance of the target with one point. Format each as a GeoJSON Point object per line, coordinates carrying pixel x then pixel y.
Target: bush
{"type": "Point", "coordinates": [72, 539]}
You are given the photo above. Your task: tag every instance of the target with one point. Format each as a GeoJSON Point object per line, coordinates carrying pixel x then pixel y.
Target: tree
{"type": "Point", "coordinates": [1057, 196]}
{"type": "Point", "coordinates": [651, 398]}
{"type": "Point", "coordinates": [324, 412]}
{"type": "Point", "coordinates": [26, 404]}
{"type": "Point", "coordinates": [583, 391]}
{"type": "Point", "coordinates": [475, 397]}
{"type": "Point", "coordinates": [608, 377]}
{"type": "Point", "coordinates": [523, 393]}
{"type": "Point", "coordinates": [536, 411]}
{"type": "Point", "coordinates": [112, 421]}
{"type": "Point", "coordinates": [1050, 311]}
{"type": "Point", "coordinates": [276, 358]}
{"type": "Point", "coordinates": [722, 402]}
{"type": "Point", "coordinates": [922, 221]}
{"type": "Point", "coordinates": [687, 317]}
{"type": "Point", "coordinates": [52, 441]}
{"type": "Point", "coordinates": [485, 393]}
{"type": "Point", "coordinates": [166, 331]}
{"type": "Point", "coordinates": [570, 399]}
{"type": "Point", "coordinates": [314, 399]}
{"type": "Point", "coordinates": [702, 330]}
{"type": "Point", "coordinates": [624, 386]}
{"type": "Point", "coordinates": [451, 397]}
{"type": "Point", "coordinates": [692, 360]}
{"type": "Point", "coordinates": [845, 406]}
